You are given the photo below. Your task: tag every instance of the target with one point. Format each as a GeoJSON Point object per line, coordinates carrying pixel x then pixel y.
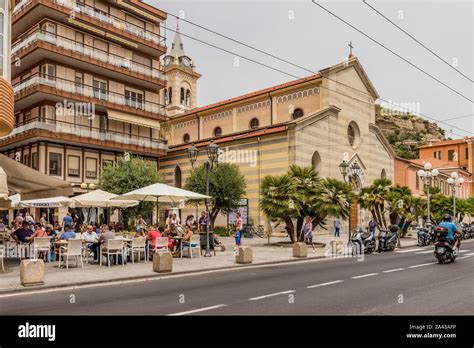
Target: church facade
{"type": "Point", "coordinates": [321, 120]}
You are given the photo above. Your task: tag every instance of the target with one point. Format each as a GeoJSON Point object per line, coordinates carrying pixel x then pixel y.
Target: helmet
{"type": "Point", "coordinates": [393, 228]}
{"type": "Point", "coordinates": [446, 217]}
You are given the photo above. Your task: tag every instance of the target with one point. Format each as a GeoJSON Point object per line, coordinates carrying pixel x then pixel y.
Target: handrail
{"type": "Point", "coordinates": [87, 50]}
{"type": "Point", "coordinates": [117, 22]}
{"type": "Point", "coordinates": [88, 132]}
{"type": "Point", "coordinates": [88, 91]}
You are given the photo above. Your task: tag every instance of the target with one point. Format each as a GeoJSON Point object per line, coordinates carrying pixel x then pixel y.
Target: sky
{"type": "Point", "coordinates": [304, 34]}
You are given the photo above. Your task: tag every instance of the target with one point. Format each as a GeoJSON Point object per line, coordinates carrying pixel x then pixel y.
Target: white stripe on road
{"type": "Point", "coordinates": [393, 270]}
{"type": "Point", "coordinates": [365, 275]}
{"type": "Point", "coordinates": [270, 295]}
{"type": "Point", "coordinates": [464, 251]}
{"type": "Point", "coordinates": [425, 252]}
{"type": "Point", "coordinates": [423, 264]}
{"type": "Point", "coordinates": [465, 257]}
{"type": "Point", "coordinates": [409, 250]}
{"type": "Point", "coordinates": [324, 284]}
{"type": "Point", "coordinates": [198, 310]}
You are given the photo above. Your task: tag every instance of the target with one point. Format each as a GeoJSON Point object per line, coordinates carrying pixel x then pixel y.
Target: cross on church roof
{"type": "Point", "coordinates": [350, 48]}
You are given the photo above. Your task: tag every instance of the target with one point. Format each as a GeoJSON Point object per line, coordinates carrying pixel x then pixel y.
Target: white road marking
{"type": "Point", "coordinates": [409, 250]}
{"type": "Point", "coordinates": [466, 256]}
{"type": "Point", "coordinates": [425, 252]}
{"type": "Point", "coordinates": [423, 264]}
{"type": "Point", "coordinates": [324, 284]}
{"type": "Point", "coordinates": [393, 270]}
{"type": "Point", "coordinates": [198, 310]}
{"type": "Point", "coordinates": [271, 295]}
{"type": "Point", "coordinates": [365, 275]}
{"type": "Point", "coordinates": [464, 251]}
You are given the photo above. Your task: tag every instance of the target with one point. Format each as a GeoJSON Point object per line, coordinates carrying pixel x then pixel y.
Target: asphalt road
{"type": "Point", "coordinates": [408, 282]}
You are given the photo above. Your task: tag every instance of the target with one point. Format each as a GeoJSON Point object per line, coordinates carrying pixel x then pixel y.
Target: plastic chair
{"type": "Point", "coordinates": [2, 255]}
{"type": "Point", "coordinates": [113, 247]}
{"type": "Point", "coordinates": [138, 245]}
{"type": "Point", "coordinates": [42, 244]}
{"type": "Point", "coordinates": [193, 244]}
{"type": "Point", "coordinates": [161, 244]}
{"type": "Point", "coordinates": [73, 248]}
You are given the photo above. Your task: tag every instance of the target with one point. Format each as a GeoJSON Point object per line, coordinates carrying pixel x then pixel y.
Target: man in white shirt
{"type": "Point", "coordinates": [92, 240]}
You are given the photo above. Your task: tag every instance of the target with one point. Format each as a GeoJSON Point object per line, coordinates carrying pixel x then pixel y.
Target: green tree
{"type": "Point", "coordinates": [130, 173]}
{"type": "Point", "coordinates": [226, 187]}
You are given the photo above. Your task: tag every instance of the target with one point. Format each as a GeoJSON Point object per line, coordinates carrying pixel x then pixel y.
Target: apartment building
{"type": "Point", "coordinates": [87, 83]}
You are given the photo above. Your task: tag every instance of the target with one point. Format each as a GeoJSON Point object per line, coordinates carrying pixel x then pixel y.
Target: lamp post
{"type": "Point", "coordinates": [349, 173]}
{"type": "Point", "coordinates": [426, 174]}
{"type": "Point", "coordinates": [454, 182]}
{"type": "Point", "coordinates": [212, 154]}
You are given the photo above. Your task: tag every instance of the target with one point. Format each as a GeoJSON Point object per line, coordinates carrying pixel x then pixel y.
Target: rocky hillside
{"type": "Point", "coordinates": [405, 132]}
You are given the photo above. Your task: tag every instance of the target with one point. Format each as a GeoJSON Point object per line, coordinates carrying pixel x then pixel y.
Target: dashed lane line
{"type": "Point", "coordinates": [271, 295]}
{"type": "Point", "coordinates": [423, 264]}
{"type": "Point", "coordinates": [364, 275]}
{"type": "Point", "coordinates": [198, 310]}
{"type": "Point", "coordinates": [409, 250]}
{"type": "Point", "coordinates": [324, 284]}
{"type": "Point", "coordinates": [393, 270]}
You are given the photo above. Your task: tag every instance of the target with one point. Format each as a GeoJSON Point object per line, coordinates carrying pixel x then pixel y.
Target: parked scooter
{"type": "Point", "coordinates": [431, 232]}
{"type": "Point", "coordinates": [388, 239]}
{"type": "Point", "coordinates": [424, 237]}
{"type": "Point", "coordinates": [363, 241]}
{"type": "Point", "coordinates": [445, 251]}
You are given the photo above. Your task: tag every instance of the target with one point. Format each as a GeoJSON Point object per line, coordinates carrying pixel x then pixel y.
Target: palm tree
{"type": "Point", "coordinates": [334, 198]}
{"type": "Point", "coordinates": [276, 197]}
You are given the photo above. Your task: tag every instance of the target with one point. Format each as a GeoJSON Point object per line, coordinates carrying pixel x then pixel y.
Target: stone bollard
{"type": "Point", "coordinates": [32, 272]}
{"type": "Point", "coordinates": [162, 262]}
{"type": "Point", "coordinates": [300, 250]}
{"type": "Point", "coordinates": [244, 255]}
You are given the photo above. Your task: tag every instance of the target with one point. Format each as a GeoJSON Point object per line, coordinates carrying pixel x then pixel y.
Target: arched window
{"type": "Point", "coordinates": [383, 175]}
{"type": "Point", "coordinates": [167, 100]}
{"type": "Point", "coordinates": [297, 113]}
{"type": "Point", "coordinates": [188, 97]}
{"type": "Point", "coordinates": [353, 134]}
{"type": "Point", "coordinates": [217, 131]}
{"type": "Point", "coordinates": [316, 161]}
{"type": "Point", "coordinates": [441, 186]}
{"type": "Point", "coordinates": [182, 96]}
{"type": "Point", "coordinates": [186, 138]}
{"type": "Point", "coordinates": [170, 95]}
{"type": "Point", "coordinates": [254, 123]}
{"type": "Point", "coordinates": [177, 177]}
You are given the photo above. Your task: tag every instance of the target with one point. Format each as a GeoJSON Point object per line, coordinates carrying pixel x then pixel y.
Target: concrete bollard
{"type": "Point", "coordinates": [32, 272]}
{"type": "Point", "coordinates": [244, 255]}
{"type": "Point", "coordinates": [300, 250]}
{"type": "Point", "coordinates": [162, 262]}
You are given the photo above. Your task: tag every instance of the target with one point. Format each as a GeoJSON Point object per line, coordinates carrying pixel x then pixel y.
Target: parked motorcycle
{"type": "Point", "coordinates": [445, 251]}
{"type": "Point", "coordinates": [388, 239]}
{"type": "Point", "coordinates": [424, 237]}
{"type": "Point", "coordinates": [431, 232]}
{"type": "Point", "coordinates": [466, 231]}
{"type": "Point", "coordinates": [362, 241]}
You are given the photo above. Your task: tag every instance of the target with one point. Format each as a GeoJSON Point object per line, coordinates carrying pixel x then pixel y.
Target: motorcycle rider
{"type": "Point", "coordinates": [452, 230]}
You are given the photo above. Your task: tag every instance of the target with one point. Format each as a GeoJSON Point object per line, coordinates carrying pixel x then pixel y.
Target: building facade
{"type": "Point", "coordinates": [87, 81]}
{"type": "Point", "coordinates": [6, 90]}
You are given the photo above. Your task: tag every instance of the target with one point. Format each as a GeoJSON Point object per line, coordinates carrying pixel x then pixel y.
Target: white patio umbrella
{"type": "Point", "coordinates": [99, 199]}
{"type": "Point", "coordinates": [53, 202]}
{"type": "Point", "coordinates": [160, 193]}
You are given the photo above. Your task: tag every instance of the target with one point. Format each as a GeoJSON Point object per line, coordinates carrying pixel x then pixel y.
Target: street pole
{"type": "Point", "coordinates": [208, 168]}
{"type": "Point", "coordinates": [428, 184]}
{"type": "Point", "coordinates": [454, 202]}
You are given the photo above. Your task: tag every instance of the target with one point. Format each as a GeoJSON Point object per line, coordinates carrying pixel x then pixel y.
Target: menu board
{"type": "Point", "coordinates": [243, 209]}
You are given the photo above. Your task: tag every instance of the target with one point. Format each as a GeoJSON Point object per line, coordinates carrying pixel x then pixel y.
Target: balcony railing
{"type": "Point", "coordinates": [86, 50]}
{"type": "Point", "coordinates": [88, 132]}
{"type": "Point", "coordinates": [103, 17]}
{"type": "Point", "coordinates": [84, 90]}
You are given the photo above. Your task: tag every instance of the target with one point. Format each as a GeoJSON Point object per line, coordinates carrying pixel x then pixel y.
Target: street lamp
{"type": "Point", "coordinates": [212, 154]}
{"type": "Point", "coordinates": [426, 174]}
{"type": "Point", "coordinates": [454, 182]}
{"type": "Point", "coordinates": [88, 187]}
{"type": "Point", "coordinates": [349, 173]}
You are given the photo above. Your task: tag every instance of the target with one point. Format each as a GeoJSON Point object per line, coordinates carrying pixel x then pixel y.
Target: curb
{"type": "Point", "coordinates": [158, 275]}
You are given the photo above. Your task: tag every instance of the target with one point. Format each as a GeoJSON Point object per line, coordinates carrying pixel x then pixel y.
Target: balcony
{"type": "Point", "coordinates": [86, 14]}
{"type": "Point", "coordinates": [39, 87]}
{"type": "Point", "coordinates": [90, 136]}
{"type": "Point", "coordinates": [39, 45]}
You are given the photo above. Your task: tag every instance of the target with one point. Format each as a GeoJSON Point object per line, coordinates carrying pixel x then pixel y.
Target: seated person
{"type": "Point", "coordinates": [22, 234]}
{"type": "Point", "coordinates": [91, 239]}
{"type": "Point", "coordinates": [140, 232]}
{"type": "Point", "coordinates": [39, 232]}
{"type": "Point", "coordinates": [153, 233]}
{"type": "Point", "coordinates": [68, 233]}
{"type": "Point", "coordinates": [104, 237]}
{"type": "Point", "coordinates": [188, 232]}
{"type": "Point", "coordinates": [49, 231]}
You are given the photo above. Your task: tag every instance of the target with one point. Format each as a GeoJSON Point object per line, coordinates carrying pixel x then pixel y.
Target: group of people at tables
{"type": "Point", "coordinates": [25, 230]}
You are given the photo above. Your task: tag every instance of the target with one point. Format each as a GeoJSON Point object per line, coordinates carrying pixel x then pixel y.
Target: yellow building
{"type": "Point", "coordinates": [319, 120]}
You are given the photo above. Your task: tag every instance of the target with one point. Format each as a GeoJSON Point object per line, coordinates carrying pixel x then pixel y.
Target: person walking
{"type": "Point", "coordinates": [372, 226]}
{"type": "Point", "coordinates": [238, 232]}
{"type": "Point", "coordinates": [337, 227]}
{"type": "Point", "coordinates": [308, 232]}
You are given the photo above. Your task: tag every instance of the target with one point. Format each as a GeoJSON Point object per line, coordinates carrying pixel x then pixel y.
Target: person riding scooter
{"type": "Point", "coordinates": [452, 230]}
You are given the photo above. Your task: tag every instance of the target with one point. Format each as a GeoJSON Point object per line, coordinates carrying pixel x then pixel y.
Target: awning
{"type": "Point", "coordinates": [30, 183]}
{"type": "Point", "coordinates": [133, 119]}
{"type": "Point", "coordinates": [53, 202]}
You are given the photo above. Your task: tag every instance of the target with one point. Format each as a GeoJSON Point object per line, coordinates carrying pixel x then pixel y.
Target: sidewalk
{"type": "Point", "coordinates": [280, 250]}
